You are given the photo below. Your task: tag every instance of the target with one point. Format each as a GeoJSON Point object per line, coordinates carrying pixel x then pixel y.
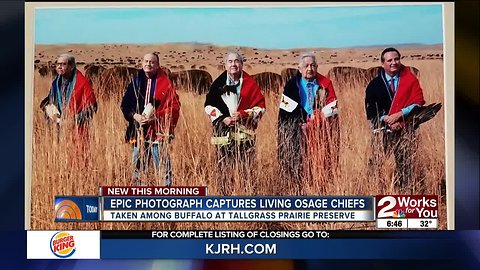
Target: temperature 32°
{"type": "Point", "coordinates": [425, 223]}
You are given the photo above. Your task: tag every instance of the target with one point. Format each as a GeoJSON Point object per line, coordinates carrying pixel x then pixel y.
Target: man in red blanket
{"type": "Point", "coordinates": [152, 108]}
{"type": "Point", "coordinates": [234, 105]}
{"type": "Point", "coordinates": [389, 99]}
{"type": "Point", "coordinates": [71, 95]}
{"type": "Point", "coordinates": [308, 129]}
{"type": "Point", "coordinates": [70, 105]}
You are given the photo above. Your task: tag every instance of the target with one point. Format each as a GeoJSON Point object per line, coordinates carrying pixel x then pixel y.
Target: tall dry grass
{"type": "Point", "coordinates": [55, 172]}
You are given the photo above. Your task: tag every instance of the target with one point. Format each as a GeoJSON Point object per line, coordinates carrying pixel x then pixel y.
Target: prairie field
{"type": "Point", "coordinates": [57, 170]}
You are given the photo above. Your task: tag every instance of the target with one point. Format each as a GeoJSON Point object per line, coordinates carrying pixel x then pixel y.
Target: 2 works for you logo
{"type": "Point", "coordinates": [406, 206]}
{"type": "Point", "coordinates": [62, 244]}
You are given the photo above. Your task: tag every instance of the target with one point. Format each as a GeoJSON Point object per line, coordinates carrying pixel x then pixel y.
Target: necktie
{"type": "Point", "coordinates": [310, 94]}
{"type": "Point", "coordinates": [392, 86]}
{"type": "Point", "coordinates": [147, 94]}
{"type": "Point", "coordinates": [64, 91]}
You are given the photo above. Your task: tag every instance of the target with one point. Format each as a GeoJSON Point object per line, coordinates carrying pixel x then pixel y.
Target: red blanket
{"type": "Point", "coordinates": [408, 92]}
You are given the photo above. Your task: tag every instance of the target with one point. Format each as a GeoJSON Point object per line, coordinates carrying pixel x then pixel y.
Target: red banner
{"type": "Point", "coordinates": [152, 191]}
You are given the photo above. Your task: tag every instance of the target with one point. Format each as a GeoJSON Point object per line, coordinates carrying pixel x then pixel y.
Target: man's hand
{"type": "Point", "coordinates": [391, 119]}
{"type": "Point", "coordinates": [396, 126]}
{"type": "Point", "coordinates": [229, 121]}
{"type": "Point", "coordinates": [232, 120]}
{"type": "Point", "coordinates": [142, 120]}
{"type": "Point", "coordinates": [56, 118]}
{"type": "Point", "coordinates": [235, 116]}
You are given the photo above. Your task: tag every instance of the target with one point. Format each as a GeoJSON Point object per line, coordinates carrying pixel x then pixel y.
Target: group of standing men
{"type": "Point", "coordinates": [308, 120]}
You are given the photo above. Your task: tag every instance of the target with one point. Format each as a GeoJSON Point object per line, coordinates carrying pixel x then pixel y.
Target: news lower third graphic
{"type": "Point", "coordinates": [407, 211]}
{"type": "Point", "coordinates": [273, 244]}
{"type": "Point", "coordinates": [161, 204]}
{"type": "Point", "coordinates": [191, 204]}
{"type": "Point", "coordinates": [77, 208]}
{"type": "Point", "coordinates": [237, 244]}
{"type": "Point", "coordinates": [234, 209]}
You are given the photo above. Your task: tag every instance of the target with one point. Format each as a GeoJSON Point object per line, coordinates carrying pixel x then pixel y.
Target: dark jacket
{"type": "Point", "coordinates": [379, 100]}
{"type": "Point", "coordinates": [163, 98]}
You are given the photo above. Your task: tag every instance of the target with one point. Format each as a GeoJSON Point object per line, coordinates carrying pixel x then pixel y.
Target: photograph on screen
{"type": "Point", "coordinates": [245, 100]}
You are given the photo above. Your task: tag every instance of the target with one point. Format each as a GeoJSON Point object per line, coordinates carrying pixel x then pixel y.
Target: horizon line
{"type": "Point", "coordinates": [243, 46]}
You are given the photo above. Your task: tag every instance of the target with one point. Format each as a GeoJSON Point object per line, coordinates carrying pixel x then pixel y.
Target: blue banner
{"type": "Point", "coordinates": [389, 249]}
{"type": "Point", "coordinates": [238, 203]}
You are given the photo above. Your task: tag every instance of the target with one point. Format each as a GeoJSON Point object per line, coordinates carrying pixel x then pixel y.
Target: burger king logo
{"type": "Point", "coordinates": [62, 244]}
